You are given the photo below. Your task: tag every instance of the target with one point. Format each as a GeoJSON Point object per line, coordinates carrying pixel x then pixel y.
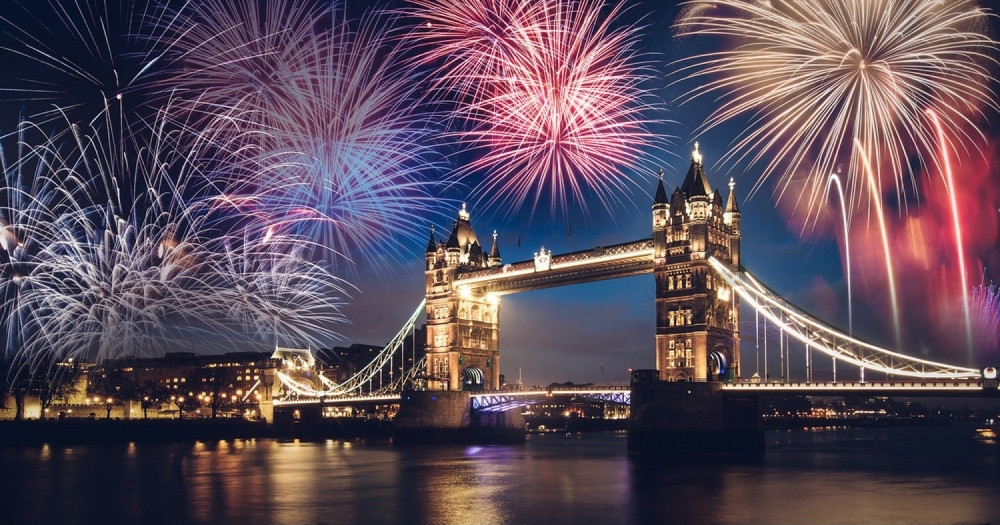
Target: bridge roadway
{"type": "Point", "coordinates": [500, 400]}
{"type": "Point", "coordinates": [487, 401]}
{"type": "Point", "coordinates": [909, 388]}
{"type": "Point", "coordinates": [619, 260]}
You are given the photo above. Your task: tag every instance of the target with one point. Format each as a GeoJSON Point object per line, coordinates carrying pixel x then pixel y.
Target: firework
{"type": "Point", "coordinates": [818, 76]}
{"type": "Point", "coordinates": [890, 270]}
{"type": "Point", "coordinates": [470, 42]}
{"type": "Point", "coordinates": [833, 181]}
{"type": "Point", "coordinates": [139, 258]}
{"type": "Point", "coordinates": [236, 53]}
{"type": "Point", "coordinates": [551, 96]}
{"type": "Point", "coordinates": [73, 62]}
{"type": "Point", "coordinates": [343, 141]}
{"type": "Point", "coordinates": [985, 308]}
{"type": "Point", "coordinates": [27, 200]}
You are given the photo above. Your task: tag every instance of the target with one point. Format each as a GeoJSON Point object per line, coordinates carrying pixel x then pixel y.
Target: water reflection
{"type": "Point", "coordinates": [871, 476]}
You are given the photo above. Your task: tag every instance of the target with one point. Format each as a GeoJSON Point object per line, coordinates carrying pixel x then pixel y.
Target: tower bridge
{"type": "Point", "coordinates": [694, 256]}
{"type": "Point", "coordinates": [697, 316]}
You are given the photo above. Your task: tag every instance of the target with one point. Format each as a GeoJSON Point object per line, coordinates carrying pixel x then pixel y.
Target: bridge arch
{"type": "Point", "coordinates": [473, 379]}
{"type": "Point", "coordinates": [718, 364]}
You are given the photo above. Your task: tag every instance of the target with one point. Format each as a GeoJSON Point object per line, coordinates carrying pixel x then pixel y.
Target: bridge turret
{"type": "Point", "coordinates": [452, 247]}
{"type": "Point", "coordinates": [696, 316]}
{"type": "Point", "coordinates": [696, 188]}
{"type": "Point", "coordinates": [462, 322]}
{"type": "Point", "coordinates": [431, 252]}
{"type": "Point", "coordinates": [732, 219]}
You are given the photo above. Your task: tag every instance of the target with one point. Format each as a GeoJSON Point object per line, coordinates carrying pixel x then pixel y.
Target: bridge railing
{"type": "Point", "coordinates": [501, 400]}
{"type": "Point", "coordinates": [373, 398]}
{"type": "Point", "coordinates": [623, 250]}
{"type": "Point", "coordinates": [352, 387]}
{"type": "Point", "coordinates": [855, 385]}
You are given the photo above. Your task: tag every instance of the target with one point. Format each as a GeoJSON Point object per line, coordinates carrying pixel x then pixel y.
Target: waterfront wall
{"type": "Point", "coordinates": [102, 431]}
{"type": "Point", "coordinates": [674, 420]}
{"type": "Point", "coordinates": [429, 417]}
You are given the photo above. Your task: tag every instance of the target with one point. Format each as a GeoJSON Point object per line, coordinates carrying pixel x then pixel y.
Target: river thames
{"type": "Point", "coordinates": [904, 475]}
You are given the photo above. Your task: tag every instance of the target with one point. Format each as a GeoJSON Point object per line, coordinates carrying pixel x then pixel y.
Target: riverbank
{"type": "Point", "coordinates": [111, 431]}
{"type": "Point", "coordinates": [791, 423]}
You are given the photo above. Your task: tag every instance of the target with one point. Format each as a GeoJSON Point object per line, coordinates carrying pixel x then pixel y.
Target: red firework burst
{"type": "Point", "coordinates": [551, 96]}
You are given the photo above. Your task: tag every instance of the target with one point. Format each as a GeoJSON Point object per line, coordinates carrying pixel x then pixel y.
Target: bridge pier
{"type": "Point", "coordinates": [432, 417]}
{"type": "Point", "coordinates": [678, 420]}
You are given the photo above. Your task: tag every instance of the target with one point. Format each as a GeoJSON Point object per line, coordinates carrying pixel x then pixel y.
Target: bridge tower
{"type": "Point", "coordinates": [697, 316]}
{"type": "Point", "coordinates": [463, 333]}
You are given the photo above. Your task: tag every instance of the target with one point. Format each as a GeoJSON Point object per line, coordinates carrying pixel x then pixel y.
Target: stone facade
{"type": "Point", "coordinates": [697, 315]}
{"type": "Point", "coordinates": [463, 331]}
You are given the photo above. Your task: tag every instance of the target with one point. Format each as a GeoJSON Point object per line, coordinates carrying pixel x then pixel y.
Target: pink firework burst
{"type": "Point", "coordinates": [551, 96]}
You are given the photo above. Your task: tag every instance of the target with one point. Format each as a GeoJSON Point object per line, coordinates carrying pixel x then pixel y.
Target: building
{"type": "Point", "coordinates": [179, 384]}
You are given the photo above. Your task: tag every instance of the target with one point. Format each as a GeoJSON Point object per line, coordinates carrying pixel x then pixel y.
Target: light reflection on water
{"type": "Point", "coordinates": [882, 476]}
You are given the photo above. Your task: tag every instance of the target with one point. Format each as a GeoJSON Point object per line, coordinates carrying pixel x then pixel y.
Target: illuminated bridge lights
{"type": "Point", "coordinates": [815, 334]}
{"type": "Point", "coordinates": [384, 398]}
{"type": "Point", "coordinates": [833, 387]}
{"type": "Point", "coordinates": [915, 375]}
{"type": "Point", "coordinates": [621, 259]}
{"type": "Point", "coordinates": [353, 385]}
{"type": "Point", "coordinates": [506, 400]}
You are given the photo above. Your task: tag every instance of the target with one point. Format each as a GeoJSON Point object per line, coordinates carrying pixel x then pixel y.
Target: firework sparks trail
{"type": "Point", "coordinates": [86, 58]}
{"type": "Point", "coordinates": [473, 41]}
{"type": "Point", "coordinates": [551, 95]}
{"type": "Point", "coordinates": [985, 307]}
{"type": "Point", "coordinates": [138, 257]}
{"type": "Point", "coordinates": [834, 181]}
{"type": "Point", "coordinates": [344, 145]}
{"type": "Point", "coordinates": [817, 76]}
{"type": "Point", "coordinates": [949, 182]}
{"type": "Point", "coordinates": [876, 196]}
{"type": "Point", "coordinates": [236, 53]}
{"type": "Point", "coordinates": [29, 200]}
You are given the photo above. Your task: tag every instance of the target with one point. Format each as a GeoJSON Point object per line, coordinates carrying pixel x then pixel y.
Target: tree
{"type": "Point", "coordinates": [215, 386]}
{"type": "Point", "coordinates": [151, 394]}
{"type": "Point", "coordinates": [47, 379]}
{"type": "Point", "coordinates": [185, 404]}
{"type": "Point", "coordinates": [109, 385]}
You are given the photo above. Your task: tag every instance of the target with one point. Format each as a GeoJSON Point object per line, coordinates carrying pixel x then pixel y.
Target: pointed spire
{"type": "Point", "coordinates": [431, 245]}
{"type": "Point", "coordinates": [731, 204]}
{"type": "Point", "coordinates": [696, 182]}
{"type": "Point", "coordinates": [661, 193]}
{"type": "Point", "coordinates": [453, 238]}
{"type": "Point", "coordinates": [495, 250]}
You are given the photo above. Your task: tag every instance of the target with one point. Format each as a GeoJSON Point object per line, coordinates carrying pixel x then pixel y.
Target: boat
{"type": "Point", "coordinates": [988, 431]}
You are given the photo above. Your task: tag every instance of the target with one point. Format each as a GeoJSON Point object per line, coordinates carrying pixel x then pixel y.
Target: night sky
{"type": "Point", "coordinates": [595, 332]}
